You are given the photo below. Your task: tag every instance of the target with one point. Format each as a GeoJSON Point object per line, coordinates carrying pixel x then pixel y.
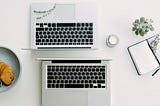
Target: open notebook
{"type": "Point", "coordinates": [143, 57]}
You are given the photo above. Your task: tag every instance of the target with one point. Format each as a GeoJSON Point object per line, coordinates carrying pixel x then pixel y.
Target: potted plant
{"type": "Point", "coordinates": [142, 26]}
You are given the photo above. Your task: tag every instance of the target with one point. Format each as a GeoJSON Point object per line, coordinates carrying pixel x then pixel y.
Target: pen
{"type": "Point", "coordinates": [155, 72]}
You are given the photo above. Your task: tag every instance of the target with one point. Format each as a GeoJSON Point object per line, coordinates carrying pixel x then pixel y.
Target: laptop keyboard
{"type": "Point", "coordinates": [76, 76]}
{"type": "Point", "coordinates": [64, 34]}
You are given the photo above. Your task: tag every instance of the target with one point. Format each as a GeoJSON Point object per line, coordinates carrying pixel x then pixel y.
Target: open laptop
{"type": "Point", "coordinates": [75, 82]}
{"type": "Point", "coordinates": [63, 25]}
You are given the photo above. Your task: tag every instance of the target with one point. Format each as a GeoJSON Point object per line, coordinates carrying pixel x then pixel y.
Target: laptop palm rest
{"type": "Point", "coordinates": [65, 98]}
{"type": "Point", "coordinates": [74, 98]}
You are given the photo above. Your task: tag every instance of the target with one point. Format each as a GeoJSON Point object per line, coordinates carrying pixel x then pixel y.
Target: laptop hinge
{"type": "Point", "coordinates": [76, 61]}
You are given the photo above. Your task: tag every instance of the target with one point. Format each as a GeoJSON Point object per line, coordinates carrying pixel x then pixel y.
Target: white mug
{"type": "Point", "coordinates": [112, 40]}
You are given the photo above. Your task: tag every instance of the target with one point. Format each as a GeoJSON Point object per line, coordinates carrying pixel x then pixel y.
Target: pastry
{"type": "Point", "coordinates": [6, 73]}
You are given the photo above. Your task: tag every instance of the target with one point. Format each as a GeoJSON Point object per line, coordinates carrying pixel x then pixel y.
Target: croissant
{"type": "Point", "coordinates": [6, 73]}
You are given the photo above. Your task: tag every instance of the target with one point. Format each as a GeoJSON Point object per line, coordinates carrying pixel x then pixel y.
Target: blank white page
{"type": "Point", "coordinates": [143, 57]}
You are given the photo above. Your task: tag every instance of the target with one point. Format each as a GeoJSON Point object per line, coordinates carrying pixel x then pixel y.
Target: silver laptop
{"type": "Point", "coordinates": [75, 82]}
{"type": "Point", "coordinates": [63, 25]}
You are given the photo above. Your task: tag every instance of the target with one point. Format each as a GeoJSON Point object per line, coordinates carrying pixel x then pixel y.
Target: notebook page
{"type": "Point", "coordinates": [143, 57]}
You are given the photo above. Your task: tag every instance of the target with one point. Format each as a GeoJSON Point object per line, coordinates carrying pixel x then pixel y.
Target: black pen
{"type": "Point", "coordinates": [155, 72]}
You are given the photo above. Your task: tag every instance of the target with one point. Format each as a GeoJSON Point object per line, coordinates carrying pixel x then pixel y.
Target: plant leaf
{"type": "Point", "coordinates": [142, 19]}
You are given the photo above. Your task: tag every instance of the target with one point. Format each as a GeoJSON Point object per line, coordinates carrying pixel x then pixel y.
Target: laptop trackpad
{"type": "Point", "coordinates": [74, 98]}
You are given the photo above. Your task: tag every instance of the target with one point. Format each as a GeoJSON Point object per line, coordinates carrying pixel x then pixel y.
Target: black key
{"type": "Point", "coordinates": [68, 32]}
{"type": "Point", "coordinates": [48, 33]}
{"type": "Point", "coordinates": [38, 40]}
{"type": "Point", "coordinates": [53, 85]}
{"type": "Point", "coordinates": [90, 28]}
{"type": "Point", "coordinates": [41, 24]}
{"type": "Point", "coordinates": [71, 32]}
{"type": "Point", "coordinates": [54, 81]}
{"type": "Point", "coordinates": [37, 23]}
{"type": "Point", "coordinates": [37, 33]}
{"type": "Point", "coordinates": [70, 28]}
{"type": "Point", "coordinates": [82, 24]}
{"type": "Point", "coordinates": [52, 33]}
{"type": "Point", "coordinates": [74, 85]}
{"type": "Point", "coordinates": [86, 85]}
{"type": "Point", "coordinates": [46, 29]}
{"type": "Point", "coordinates": [66, 81]}
{"type": "Point", "coordinates": [61, 86]}
{"type": "Point", "coordinates": [91, 85]}
{"type": "Point", "coordinates": [103, 86]}
{"type": "Point", "coordinates": [57, 85]}
{"type": "Point", "coordinates": [65, 24]}
{"type": "Point", "coordinates": [37, 43]}
{"type": "Point", "coordinates": [70, 81]}
{"type": "Point", "coordinates": [86, 24]}
{"type": "Point", "coordinates": [66, 29]}
{"type": "Point", "coordinates": [90, 24]}
{"type": "Point", "coordinates": [80, 32]}
{"type": "Point", "coordinates": [47, 40]}
{"type": "Point", "coordinates": [78, 24]}
{"type": "Point", "coordinates": [88, 77]}
{"type": "Point", "coordinates": [103, 76]}
{"type": "Point", "coordinates": [49, 81]}
{"type": "Point", "coordinates": [74, 28]}
{"type": "Point", "coordinates": [43, 40]}
{"type": "Point", "coordinates": [37, 36]}
{"type": "Point", "coordinates": [58, 29]}
{"type": "Point", "coordinates": [44, 33]}
{"type": "Point", "coordinates": [74, 81]}
{"type": "Point", "coordinates": [100, 81]}
{"type": "Point", "coordinates": [82, 81]}
{"type": "Point", "coordinates": [64, 32]}
{"type": "Point", "coordinates": [90, 81]}
{"type": "Point", "coordinates": [91, 40]}
{"type": "Point", "coordinates": [100, 77]}
{"type": "Point", "coordinates": [86, 81]}
{"type": "Point", "coordinates": [49, 85]}
{"type": "Point", "coordinates": [50, 29]}
{"type": "Point", "coordinates": [49, 24]}
{"type": "Point", "coordinates": [40, 33]}
{"type": "Point", "coordinates": [94, 81]}
{"type": "Point", "coordinates": [53, 24]}
{"type": "Point", "coordinates": [78, 81]}
{"type": "Point", "coordinates": [89, 32]}
{"type": "Point", "coordinates": [99, 85]}
{"type": "Point", "coordinates": [54, 28]}
{"type": "Point", "coordinates": [39, 29]}
{"type": "Point", "coordinates": [51, 40]}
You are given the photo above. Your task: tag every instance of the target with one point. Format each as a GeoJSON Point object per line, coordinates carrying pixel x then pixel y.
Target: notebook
{"type": "Point", "coordinates": [75, 82]}
{"type": "Point", "coordinates": [63, 25]}
{"type": "Point", "coordinates": [143, 57]}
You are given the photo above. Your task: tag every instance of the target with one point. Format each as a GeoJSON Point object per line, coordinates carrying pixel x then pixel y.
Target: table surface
{"type": "Point", "coordinates": [114, 17]}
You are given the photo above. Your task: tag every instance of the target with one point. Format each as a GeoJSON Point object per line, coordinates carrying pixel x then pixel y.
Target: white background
{"type": "Point", "coordinates": [114, 17]}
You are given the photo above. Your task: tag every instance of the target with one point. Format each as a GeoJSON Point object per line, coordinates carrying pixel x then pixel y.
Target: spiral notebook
{"type": "Point", "coordinates": [144, 59]}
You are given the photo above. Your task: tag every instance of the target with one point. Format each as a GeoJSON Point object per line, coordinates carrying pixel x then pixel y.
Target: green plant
{"type": "Point", "coordinates": [142, 26]}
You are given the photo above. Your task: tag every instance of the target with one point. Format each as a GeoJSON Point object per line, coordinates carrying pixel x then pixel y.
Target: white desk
{"type": "Point", "coordinates": [115, 17]}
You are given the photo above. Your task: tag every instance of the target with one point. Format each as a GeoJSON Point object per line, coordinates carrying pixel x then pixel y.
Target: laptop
{"type": "Point", "coordinates": [63, 25]}
{"type": "Point", "coordinates": [75, 82]}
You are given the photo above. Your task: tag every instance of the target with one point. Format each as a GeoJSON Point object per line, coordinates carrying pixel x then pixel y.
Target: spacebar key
{"type": "Point", "coordinates": [74, 85]}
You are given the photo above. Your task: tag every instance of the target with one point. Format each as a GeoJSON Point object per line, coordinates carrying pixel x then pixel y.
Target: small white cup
{"type": "Point", "coordinates": [112, 40]}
